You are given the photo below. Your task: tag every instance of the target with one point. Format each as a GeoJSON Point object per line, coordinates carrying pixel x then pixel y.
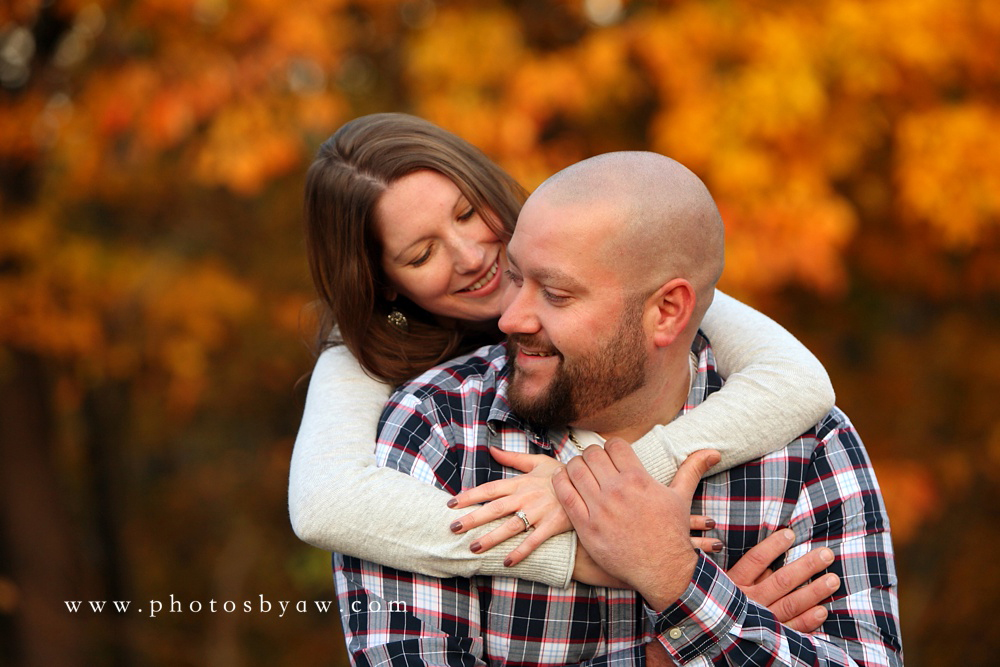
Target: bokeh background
{"type": "Point", "coordinates": [154, 297]}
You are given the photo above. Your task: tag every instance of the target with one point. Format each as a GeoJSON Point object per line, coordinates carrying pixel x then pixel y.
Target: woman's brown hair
{"type": "Point", "coordinates": [343, 186]}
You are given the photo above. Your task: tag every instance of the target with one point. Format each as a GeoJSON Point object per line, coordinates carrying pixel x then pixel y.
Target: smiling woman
{"type": "Point", "coordinates": [402, 215]}
{"type": "Point", "coordinates": [438, 252]}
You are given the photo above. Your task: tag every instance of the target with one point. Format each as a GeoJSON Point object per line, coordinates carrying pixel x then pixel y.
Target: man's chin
{"type": "Point", "coordinates": [546, 404]}
{"type": "Point", "coordinates": [526, 394]}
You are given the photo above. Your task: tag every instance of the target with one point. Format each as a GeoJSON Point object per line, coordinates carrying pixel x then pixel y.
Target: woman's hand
{"type": "Point", "coordinates": [779, 591]}
{"type": "Point", "coordinates": [707, 544]}
{"type": "Point", "coordinates": [530, 493]}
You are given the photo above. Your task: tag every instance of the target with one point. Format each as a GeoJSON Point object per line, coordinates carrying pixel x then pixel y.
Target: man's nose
{"type": "Point", "coordinates": [518, 315]}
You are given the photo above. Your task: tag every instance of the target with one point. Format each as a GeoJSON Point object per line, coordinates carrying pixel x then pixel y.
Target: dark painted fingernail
{"type": "Point", "coordinates": [475, 547]}
{"type": "Point", "coordinates": [452, 502]}
{"type": "Point", "coordinates": [709, 524]}
{"type": "Point", "coordinates": [456, 526]}
{"type": "Point", "coordinates": [507, 562]}
{"type": "Point", "coordinates": [717, 546]}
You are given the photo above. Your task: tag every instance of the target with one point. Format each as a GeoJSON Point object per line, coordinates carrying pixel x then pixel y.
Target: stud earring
{"type": "Point", "coordinates": [398, 319]}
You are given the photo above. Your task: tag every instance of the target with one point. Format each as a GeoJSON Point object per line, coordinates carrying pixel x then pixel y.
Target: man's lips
{"type": "Point", "coordinates": [535, 353]}
{"type": "Point", "coordinates": [532, 351]}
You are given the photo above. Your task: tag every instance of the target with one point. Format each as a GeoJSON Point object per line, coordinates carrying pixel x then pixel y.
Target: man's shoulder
{"type": "Point", "coordinates": [435, 425]}
{"type": "Point", "coordinates": [480, 371]}
{"type": "Point", "coordinates": [836, 444]}
{"type": "Point", "coordinates": [834, 429]}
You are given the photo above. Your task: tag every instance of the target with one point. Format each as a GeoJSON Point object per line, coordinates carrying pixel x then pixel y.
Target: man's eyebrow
{"type": "Point", "coordinates": [557, 278]}
{"type": "Point", "coordinates": [550, 276]}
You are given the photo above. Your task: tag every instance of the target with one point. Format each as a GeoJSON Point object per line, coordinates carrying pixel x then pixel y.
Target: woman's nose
{"type": "Point", "coordinates": [469, 254]}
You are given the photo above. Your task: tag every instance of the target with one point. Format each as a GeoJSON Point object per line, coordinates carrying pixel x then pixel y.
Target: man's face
{"type": "Point", "coordinates": [575, 339]}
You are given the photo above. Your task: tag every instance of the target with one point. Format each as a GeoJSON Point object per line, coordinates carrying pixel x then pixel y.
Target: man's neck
{"type": "Point", "coordinates": [658, 402]}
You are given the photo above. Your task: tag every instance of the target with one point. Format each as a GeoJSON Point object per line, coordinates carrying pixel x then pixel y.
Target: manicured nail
{"type": "Point", "coordinates": [456, 526]}
{"type": "Point", "coordinates": [789, 534]}
{"type": "Point", "coordinates": [507, 562]}
{"type": "Point", "coordinates": [709, 524]}
{"type": "Point", "coordinates": [717, 546]}
{"type": "Point", "coordinates": [452, 502]}
{"type": "Point", "coordinates": [475, 547]}
{"type": "Point", "coordinates": [826, 555]}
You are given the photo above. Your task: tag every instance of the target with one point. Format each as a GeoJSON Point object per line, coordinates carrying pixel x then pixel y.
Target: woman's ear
{"type": "Point", "coordinates": [390, 294]}
{"type": "Point", "coordinates": [672, 305]}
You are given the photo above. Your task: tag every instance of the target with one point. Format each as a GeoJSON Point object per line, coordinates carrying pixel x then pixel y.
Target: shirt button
{"type": "Point", "coordinates": [675, 633]}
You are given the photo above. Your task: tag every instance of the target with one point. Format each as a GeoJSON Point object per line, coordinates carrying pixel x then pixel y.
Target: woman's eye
{"type": "Point", "coordinates": [423, 258]}
{"type": "Point", "coordinates": [467, 215]}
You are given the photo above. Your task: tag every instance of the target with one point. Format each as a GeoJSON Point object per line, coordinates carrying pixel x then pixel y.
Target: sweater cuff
{"type": "Point", "coordinates": [654, 457]}
{"type": "Point", "coordinates": [551, 563]}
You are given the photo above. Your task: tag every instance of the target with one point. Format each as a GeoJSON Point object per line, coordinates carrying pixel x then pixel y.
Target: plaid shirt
{"type": "Point", "coordinates": [439, 427]}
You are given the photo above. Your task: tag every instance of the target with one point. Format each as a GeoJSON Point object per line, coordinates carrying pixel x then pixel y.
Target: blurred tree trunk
{"type": "Point", "coordinates": [106, 414]}
{"type": "Point", "coordinates": [38, 542]}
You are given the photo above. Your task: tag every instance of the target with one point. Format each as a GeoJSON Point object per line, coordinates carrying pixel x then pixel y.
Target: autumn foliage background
{"type": "Point", "coordinates": [154, 296]}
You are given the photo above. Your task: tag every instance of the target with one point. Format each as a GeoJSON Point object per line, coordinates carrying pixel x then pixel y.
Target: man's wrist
{"type": "Point", "coordinates": [665, 592]}
{"type": "Point", "coordinates": [701, 618]}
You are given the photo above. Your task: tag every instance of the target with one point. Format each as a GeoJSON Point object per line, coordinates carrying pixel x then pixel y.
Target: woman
{"type": "Point", "coordinates": [405, 286]}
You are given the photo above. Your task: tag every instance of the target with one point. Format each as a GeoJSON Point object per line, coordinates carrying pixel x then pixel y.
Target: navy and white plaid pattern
{"type": "Point", "coordinates": [439, 427]}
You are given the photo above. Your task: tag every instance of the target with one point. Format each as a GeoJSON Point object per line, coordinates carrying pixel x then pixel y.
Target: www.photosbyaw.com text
{"type": "Point", "coordinates": [261, 605]}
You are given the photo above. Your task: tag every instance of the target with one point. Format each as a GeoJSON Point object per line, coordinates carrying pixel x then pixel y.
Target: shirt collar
{"type": "Point", "coordinates": [501, 415]}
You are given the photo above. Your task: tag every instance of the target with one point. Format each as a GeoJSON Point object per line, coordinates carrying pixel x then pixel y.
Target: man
{"type": "Point", "coordinates": [603, 337]}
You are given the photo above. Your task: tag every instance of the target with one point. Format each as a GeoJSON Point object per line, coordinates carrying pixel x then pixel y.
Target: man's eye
{"type": "Point", "coordinates": [512, 277]}
{"type": "Point", "coordinates": [555, 299]}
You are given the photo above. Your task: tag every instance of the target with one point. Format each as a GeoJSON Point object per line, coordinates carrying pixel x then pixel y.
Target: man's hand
{"type": "Point", "coordinates": [636, 529]}
{"type": "Point", "coordinates": [586, 571]}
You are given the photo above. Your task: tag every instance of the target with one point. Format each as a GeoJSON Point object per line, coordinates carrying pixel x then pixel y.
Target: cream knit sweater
{"type": "Point", "coordinates": [339, 500]}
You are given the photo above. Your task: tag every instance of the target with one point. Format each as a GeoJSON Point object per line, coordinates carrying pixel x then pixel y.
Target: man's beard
{"type": "Point", "coordinates": [582, 387]}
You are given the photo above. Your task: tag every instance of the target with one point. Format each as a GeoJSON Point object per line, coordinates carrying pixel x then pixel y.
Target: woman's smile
{"type": "Point", "coordinates": [486, 284]}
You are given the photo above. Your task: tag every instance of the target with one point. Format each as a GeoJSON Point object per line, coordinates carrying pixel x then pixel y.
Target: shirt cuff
{"type": "Point", "coordinates": [702, 617]}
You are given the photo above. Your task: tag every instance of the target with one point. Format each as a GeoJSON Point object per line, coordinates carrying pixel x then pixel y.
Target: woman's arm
{"type": "Point", "coordinates": [339, 500]}
{"type": "Point", "coordinates": [775, 389]}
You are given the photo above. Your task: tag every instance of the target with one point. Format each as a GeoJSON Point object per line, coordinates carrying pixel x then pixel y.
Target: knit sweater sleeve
{"type": "Point", "coordinates": [339, 500]}
{"type": "Point", "coordinates": [775, 389]}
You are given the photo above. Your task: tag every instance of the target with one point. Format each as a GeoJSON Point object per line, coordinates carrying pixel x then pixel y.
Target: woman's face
{"type": "Point", "coordinates": [437, 251]}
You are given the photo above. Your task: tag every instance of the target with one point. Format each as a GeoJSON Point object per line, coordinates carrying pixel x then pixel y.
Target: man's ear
{"type": "Point", "coordinates": [671, 307]}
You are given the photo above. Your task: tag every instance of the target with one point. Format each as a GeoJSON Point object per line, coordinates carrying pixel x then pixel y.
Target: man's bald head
{"type": "Point", "coordinates": [661, 221]}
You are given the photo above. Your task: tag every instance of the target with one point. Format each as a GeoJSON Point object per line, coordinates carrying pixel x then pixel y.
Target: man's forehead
{"type": "Point", "coordinates": [545, 272]}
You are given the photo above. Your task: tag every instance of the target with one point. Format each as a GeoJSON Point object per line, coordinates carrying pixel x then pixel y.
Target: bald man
{"type": "Point", "coordinates": [612, 265]}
